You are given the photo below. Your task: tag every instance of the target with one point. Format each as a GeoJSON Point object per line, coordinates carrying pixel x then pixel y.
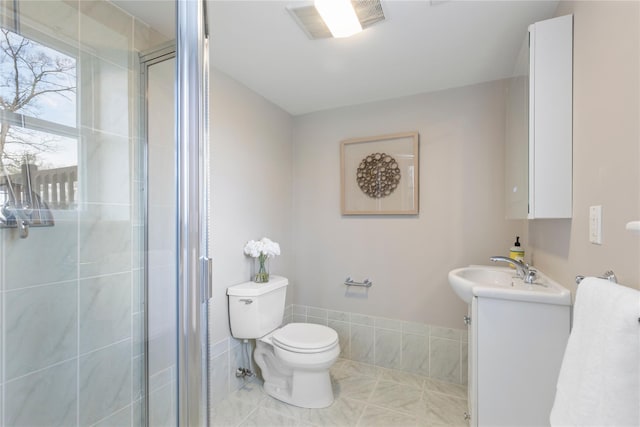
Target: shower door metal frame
{"type": "Point", "coordinates": [194, 264]}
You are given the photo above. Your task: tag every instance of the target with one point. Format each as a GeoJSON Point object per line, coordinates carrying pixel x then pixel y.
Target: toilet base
{"type": "Point", "coordinates": [306, 387]}
{"type": "Point", "coordinates": [300, 393]}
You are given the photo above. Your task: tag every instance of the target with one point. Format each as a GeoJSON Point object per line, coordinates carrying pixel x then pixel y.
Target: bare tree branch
{"type": "Point", "coordinates": [29, 72]}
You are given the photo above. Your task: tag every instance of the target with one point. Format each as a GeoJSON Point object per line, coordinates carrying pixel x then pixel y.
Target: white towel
{"type": "Point", "coordinates": [599, 381]}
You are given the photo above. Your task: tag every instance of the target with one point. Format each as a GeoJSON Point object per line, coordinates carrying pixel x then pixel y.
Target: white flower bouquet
{"type": "Point", "coordinates": [262, 250]}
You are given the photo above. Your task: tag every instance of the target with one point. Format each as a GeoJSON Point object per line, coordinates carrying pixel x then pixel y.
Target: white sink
{"type": "Point", "coordinates": [462, 280]}
{"type": "Point", "coordinates": [502, 283]}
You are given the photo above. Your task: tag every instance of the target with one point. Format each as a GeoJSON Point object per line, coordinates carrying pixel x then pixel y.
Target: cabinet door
{"type": "Point", "coordinates": [517, 349]}
{"type": "Point", "coordinates": [550, 118]}
{"type": "Point", "coordinates": [516, 153]}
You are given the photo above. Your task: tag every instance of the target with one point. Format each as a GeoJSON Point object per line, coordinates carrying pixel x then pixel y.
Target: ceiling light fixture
{"type": "Point", "coordinates": [339, 16]}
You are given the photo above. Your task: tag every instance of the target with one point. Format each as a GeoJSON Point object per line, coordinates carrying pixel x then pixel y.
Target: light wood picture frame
{"type": "Point", "coordinates": [380, 175]}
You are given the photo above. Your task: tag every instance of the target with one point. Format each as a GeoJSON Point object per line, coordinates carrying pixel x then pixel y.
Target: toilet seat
{"type": "Point", "coordinates": [305, 338]}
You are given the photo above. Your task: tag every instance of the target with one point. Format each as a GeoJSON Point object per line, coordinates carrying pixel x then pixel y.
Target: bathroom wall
{"type": "Point", "coordinates": [250, 185]}
{"type": "Point", "coordinates": [413, 322]}
{"type": "Point", "coordinates": [251, 188]}
{"type": "Point", "coordinates": [606, 148]}
{"type": "Point", "coordinates": [461, 219]}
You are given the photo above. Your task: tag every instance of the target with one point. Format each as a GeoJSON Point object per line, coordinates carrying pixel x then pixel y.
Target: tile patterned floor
{"type": "Point", "coordinates": [365, 395]}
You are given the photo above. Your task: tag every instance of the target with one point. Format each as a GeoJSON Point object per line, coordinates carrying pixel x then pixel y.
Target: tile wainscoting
{"type": "Point", "coordinates": [225, 357]}
{"type": "Point", "coordinates": [426, 350]}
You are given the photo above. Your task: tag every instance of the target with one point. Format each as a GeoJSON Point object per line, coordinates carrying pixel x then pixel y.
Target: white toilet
{"type": "Point", "coordinates": [294, 359]}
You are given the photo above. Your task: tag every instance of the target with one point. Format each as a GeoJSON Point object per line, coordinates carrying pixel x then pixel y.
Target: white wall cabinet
{"type": "Point", "coordinates": [541, 186]}
{"type": "Point", "coordinates": [516, 349]}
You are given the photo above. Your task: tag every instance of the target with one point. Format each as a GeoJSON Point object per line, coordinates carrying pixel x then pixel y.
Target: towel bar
{"type": "Point", "coordinates": [350, 282]}
{"type": "Point", "coordinates": [608, 275]}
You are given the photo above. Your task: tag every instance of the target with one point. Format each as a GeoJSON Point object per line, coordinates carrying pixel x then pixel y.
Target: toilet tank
{"type": "Point", "coordinates": [255, 309]}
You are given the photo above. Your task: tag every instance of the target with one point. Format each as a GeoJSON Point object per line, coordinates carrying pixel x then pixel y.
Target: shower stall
{"type": "Point", "coordinates": [104, 270]}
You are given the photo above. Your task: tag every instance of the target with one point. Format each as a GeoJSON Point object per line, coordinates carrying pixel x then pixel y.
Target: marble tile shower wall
{"type": "Point", "coordinates": [70, 295]}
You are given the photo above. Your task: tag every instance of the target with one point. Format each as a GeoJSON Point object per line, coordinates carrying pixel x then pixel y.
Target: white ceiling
{"type": "Point", "coordinates": [422, 46]}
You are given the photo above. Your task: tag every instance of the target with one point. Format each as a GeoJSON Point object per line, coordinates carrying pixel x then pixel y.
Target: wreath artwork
{"type": "Point", "coordinates": [378, 175]}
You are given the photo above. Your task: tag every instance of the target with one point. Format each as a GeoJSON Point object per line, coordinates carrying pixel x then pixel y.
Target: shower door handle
{"type": "Point", "coordinates": [205, 278]}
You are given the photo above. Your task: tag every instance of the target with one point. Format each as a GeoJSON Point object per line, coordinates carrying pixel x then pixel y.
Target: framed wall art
{"type": "Point", "coordinates": [379, 175]}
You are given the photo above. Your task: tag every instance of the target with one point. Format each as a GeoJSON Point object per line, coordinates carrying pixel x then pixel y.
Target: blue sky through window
{"type": "Point", "coordinates": [40, 82]}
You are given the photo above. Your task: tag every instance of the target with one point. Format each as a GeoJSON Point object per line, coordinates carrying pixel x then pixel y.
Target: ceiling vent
{"type": "Point", "coordinates": [368, 11]}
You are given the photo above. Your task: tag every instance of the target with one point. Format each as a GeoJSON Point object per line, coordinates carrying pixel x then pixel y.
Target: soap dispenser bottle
{"type": "Point", "coordinates": [517, 252]}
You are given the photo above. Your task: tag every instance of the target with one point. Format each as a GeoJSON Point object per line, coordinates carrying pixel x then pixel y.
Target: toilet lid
{"type": "Point", "coordinates": [305, 337]}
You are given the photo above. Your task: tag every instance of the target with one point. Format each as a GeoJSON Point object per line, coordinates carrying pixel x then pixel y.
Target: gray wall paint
{"type": "Point", "coordinates": [251, 187]}
{"type": "Point", "coordinates": [461, 219]}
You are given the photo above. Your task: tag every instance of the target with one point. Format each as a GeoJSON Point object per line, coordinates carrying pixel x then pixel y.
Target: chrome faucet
{"type": "Point", "coordinates": [522, 269]}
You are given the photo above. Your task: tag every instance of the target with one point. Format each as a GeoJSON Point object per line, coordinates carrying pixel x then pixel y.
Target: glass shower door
{"type": "Point", "coordinates": [159, 70]}
{"type": "Point", "coordinates": [75, 348]}
{"type": "Point", "coordinates": [71, 226]}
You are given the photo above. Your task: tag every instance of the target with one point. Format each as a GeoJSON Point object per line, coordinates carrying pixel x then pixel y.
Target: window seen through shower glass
{"type": "Point", "coordinates": [39, 120]}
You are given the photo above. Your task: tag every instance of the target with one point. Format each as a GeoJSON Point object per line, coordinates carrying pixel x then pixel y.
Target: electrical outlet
{"type": "Point", "coordinates": [595, 224]}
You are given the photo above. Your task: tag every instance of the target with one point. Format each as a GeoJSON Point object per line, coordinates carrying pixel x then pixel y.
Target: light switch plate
{"type": "Point", "coordinates": [595, 224]}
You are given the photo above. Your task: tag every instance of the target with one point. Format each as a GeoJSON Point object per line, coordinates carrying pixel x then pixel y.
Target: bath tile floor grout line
{"type": "Point", "coordinates": [354, 406]}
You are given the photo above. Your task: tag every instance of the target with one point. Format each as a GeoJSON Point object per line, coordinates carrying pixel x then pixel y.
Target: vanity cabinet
{"type": "Point", "coordinates": [539, 151]}
{"type": "Point", "coordinates": [516, 349]}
